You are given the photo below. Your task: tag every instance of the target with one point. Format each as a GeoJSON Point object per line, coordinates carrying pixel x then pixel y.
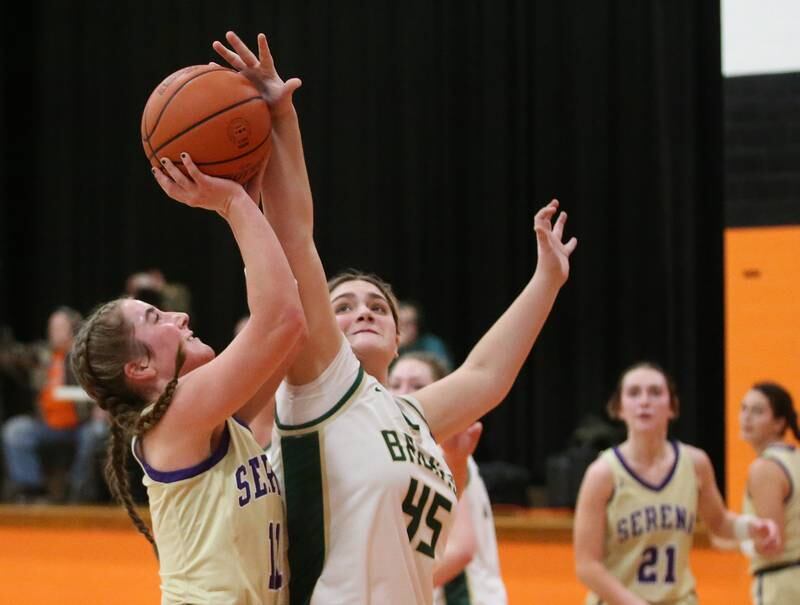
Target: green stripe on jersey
{"type": "Point", "coordinates": [329, 413]}
{"type": "Point", "coordinates": [305, 514]}
{"type": "Point", "coordinates": [456, 591]}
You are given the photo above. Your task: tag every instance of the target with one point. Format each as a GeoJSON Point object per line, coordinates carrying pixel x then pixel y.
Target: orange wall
{"type": "Point", "coordinates": [762, 329]}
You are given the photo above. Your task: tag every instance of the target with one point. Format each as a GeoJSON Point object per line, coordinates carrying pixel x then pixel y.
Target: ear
{"type": "Point", "coordinates": [396, 344]}
{"type": "Point", "coordinates": [139, 370]}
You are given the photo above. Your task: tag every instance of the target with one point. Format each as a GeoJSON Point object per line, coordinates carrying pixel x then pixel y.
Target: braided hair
{"type": "Point", "coordinates": [104, 344]}
{"type": "Point", "coordinates": [781, 404]}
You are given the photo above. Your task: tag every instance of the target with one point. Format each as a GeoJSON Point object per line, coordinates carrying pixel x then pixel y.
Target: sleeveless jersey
{"type": "Point", "coordinates": [649, 530]}
{"type": "Point", "coordinates": [481, 582]}
{"type": "Point", "coordinates": [368, 494]}
{"type": "Point", "coordinates": [220, 526]}
{"type": "Point", "coordinates": [788, 458]}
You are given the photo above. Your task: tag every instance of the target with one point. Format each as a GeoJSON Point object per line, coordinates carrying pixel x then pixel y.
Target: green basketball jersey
{"type": "Point", "coordinates": [368, 494]}
{"type": "Point", "coordinates": [649, 529]}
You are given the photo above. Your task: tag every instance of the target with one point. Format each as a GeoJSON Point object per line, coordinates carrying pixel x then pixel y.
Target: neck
{"type": "Point", "coordinates": [760, 447]}
{"type": "Point", "coordinates": [646, 448]}
{"type": "Point", "coordinates": [379, 371]}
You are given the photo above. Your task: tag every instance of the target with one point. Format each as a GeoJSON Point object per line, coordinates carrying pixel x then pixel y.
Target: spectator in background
{"type": "Point", "coordinates": [414, 339]}
{"type": "Point", "coordinates": [152, 287]}
{"type": "Point", "coordinates": [62, 418]}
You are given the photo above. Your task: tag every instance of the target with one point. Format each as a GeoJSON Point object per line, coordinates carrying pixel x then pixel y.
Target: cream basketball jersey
{"type": "Point", "coordinates": [220, 526]}
{"type": "Point", "coordinates": [788, 458]}
{"type": "Point", "coordinates": [649, 529]}
{"type": "Point", "coordinates": [368, 494]}
{"type": "Point", "coordinates": [480, 583]}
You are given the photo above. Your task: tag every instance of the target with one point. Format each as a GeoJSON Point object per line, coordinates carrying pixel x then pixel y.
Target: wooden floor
{"type": "Point", "coordinates": [89, 557]}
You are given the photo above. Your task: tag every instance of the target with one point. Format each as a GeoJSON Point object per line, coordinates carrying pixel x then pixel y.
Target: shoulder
{"type": "Point", "coordinates": [704, 470]}
{"type": "Point", "coordinates": [599, 476]}
{"type": "Point", "coordinates": [699, 458]}
{"type": "Point", "coordinates": [765, 469]}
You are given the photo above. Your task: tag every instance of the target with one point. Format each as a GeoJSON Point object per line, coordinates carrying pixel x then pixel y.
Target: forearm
{"type": "Point", "coordinates": [723, 525]}
{"type": "Point", "coordinates": [270, 284]}
{"type": "Point", "coordinates": [285, 187]}
{"type": "Point", "coordinates": [610, 590]}
{"type": "Point", "coordinates": [503, 349]}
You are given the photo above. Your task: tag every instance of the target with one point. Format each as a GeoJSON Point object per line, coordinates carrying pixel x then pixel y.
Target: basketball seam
{"type": "Point", "coordinates": [168, 101]}
{"type": "Point", "coordinates": [238, 157]}
{"type": "Point", "coordinates": [203, 121]}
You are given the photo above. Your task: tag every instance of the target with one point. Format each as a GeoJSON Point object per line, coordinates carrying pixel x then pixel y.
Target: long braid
{"type": "Point", "coordinates": [116, 471]}
{"type": "Point", "coordinates": [101, 349]}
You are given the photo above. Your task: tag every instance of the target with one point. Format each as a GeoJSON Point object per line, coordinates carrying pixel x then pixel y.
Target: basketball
{"type": "Point", "coordinates": [213, 113]}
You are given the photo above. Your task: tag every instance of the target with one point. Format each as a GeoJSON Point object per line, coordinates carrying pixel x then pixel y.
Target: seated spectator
{"type": "Point", "coordinates": [152, 287]}
{"type": "Point", "coordinates": [412, 337]}
{"type": "Point", "coordinates": [65, 416]}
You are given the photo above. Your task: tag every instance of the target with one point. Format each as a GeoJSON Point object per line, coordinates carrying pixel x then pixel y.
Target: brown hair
{"type": "Point", "coordinates": [104, 344]}
{"type": "Point", "coordinates": [615, 401]}
{"type": "Point", "coordinates": [781, 404]}
{"type": "Point", "coordinates": [384, 287]}
{"type": "Point", "coordinates": [438, 366]}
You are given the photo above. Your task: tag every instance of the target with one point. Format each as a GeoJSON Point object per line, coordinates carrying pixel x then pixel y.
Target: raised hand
{"type": "Point", "coordinates": [260, 71]}
{"type": "Point", "coordinates": [196, 189]}
{"type": "Point", "coordinates": [553, 253]}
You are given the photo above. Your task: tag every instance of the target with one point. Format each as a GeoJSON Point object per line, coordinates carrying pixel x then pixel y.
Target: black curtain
{"type": "Point", "coordinates": [433, 131]}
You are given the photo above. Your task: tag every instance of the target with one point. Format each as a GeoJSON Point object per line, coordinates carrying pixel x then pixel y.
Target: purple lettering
{"type": "Point", "coordinates": [243, 485]}
{"type": "Point", "coordinates": [666, 521]}
{"type": "Point", "coordinates": [651, 518]}
{"type": "Point", "coordinates": [622, 530]}
{"type": "Point", "coordinates": [636, 529]}
{"type": "Point", "coordinates": [261, 489]}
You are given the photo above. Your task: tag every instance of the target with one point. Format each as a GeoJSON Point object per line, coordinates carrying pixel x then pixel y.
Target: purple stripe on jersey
{"type": "Point", "coordinates": [192, 471]}
{"type": "Point", "coordinates": [646, 484]}
{"type": "Point", "coordinates": [242, 423]}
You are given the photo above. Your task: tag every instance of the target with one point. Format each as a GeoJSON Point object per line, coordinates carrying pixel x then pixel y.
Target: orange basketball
{"type": "Point", "coordinates": [213, 113]}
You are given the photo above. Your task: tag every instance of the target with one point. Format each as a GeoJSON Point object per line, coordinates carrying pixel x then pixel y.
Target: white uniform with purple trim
{"type": "Point", "coordinates": [776, 579]}
{"type": "Point", "coordinates": [368, 494]}
{"type": "Point", "coordinates": [649, 530]}
{"type": "Point", "coordinates": [220, 526]}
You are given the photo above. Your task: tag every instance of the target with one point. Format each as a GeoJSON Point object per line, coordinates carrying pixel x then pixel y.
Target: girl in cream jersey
{"type": "Point", "coordinates": [219, 526]}
{"type": "Point", "coordinates": [772, 483]}
{"type": "Point", "coordinates": [368, 495]}
{"type": "Point", "coordinates": [639, 503]}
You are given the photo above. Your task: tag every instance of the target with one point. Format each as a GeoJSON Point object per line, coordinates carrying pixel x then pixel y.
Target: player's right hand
{"type": "Point", "coordinates": [197, 190]}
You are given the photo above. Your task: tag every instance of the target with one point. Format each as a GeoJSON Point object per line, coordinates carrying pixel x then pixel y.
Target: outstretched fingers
{"type": "Point", "coordinates": [241, 49]}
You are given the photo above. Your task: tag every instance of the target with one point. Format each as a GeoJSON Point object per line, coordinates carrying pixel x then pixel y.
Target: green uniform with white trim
{"type": "Point", "coordinates": [649, 530]}
{"type": "Point", "coordinates": [368, 494]}
{"type": "Point", "coordinates": [776, 579]}
{"type": "Point", "coordinates": [220, 526]}
{"type": "Point", "coordinates": [481, 582]}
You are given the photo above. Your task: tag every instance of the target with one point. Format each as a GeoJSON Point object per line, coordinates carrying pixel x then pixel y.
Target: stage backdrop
{"type": "Point", "coordinates": [433, 131]}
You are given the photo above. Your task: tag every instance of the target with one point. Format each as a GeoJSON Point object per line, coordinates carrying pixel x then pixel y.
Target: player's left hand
{"type": "Point", "coordinates": [260, 71]}
{"type": "Point", "coordinates": [553, 253]}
